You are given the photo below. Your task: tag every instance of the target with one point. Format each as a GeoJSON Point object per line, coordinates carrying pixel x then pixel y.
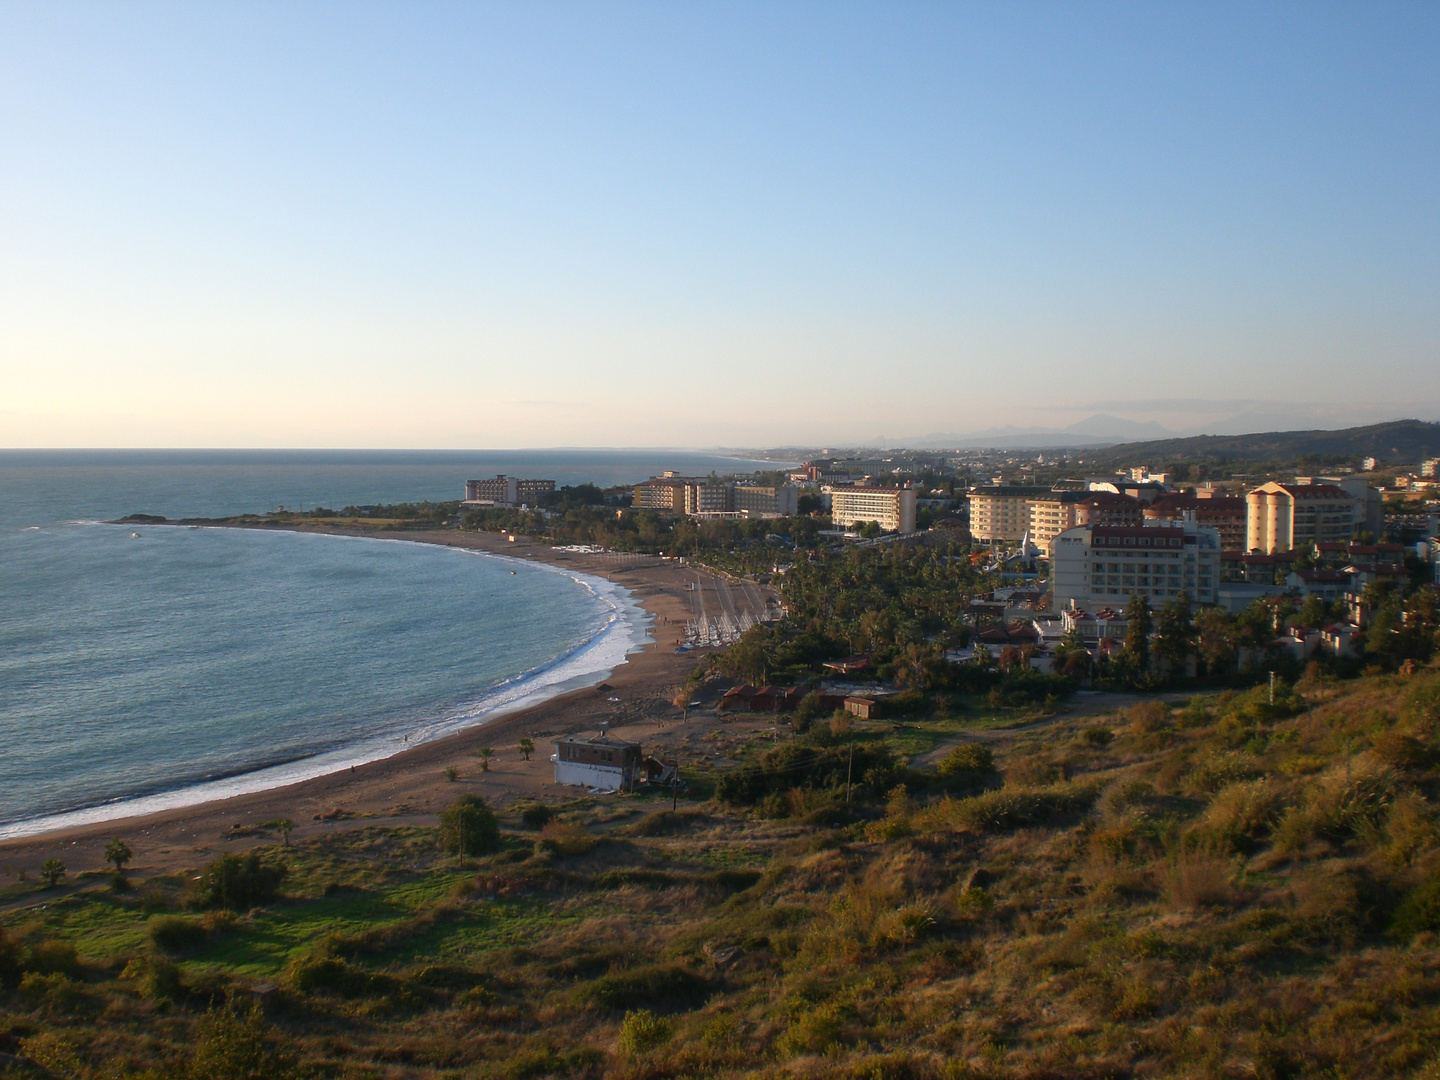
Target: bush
{"type": "Point", "coordinates": [798, 764]}
{"type": "Point", "coordinates": [469, 827]}
{"type": "Point", "coordinates": [1419, 911]}
{"type": "Point", "coordinates": [238, 882]}
{"type": "Point", "coordinates": [642, 1031]}
{"type": "Point", "coordinates": [231, 1046]}
{"type": "Point", "coordinates": [1001, 811]}
{"type": "Point", "coordinates": [175, 933]}
{"type": "Point", "coordinates": [664, 987]}
{"type": "Point", "coordinates": [1098, 735]}
{"type": "Point", "coordinates": [967, 758]}
{"type": "Point", "coordinates": [536, 815]}
{"type": "Point", "coordinates": [565, 838]}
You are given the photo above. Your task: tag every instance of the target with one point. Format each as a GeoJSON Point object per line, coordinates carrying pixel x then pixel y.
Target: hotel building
{"type": "Point", "coordinates": [1107, 565]}
{"type": "Point", "coordinates": [507, 491]}
{"type": "Point", "coordinates": [892, 508]}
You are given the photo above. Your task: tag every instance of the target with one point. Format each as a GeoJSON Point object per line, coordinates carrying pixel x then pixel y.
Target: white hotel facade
{"type": "Point", "coordinates": [1106, 565]}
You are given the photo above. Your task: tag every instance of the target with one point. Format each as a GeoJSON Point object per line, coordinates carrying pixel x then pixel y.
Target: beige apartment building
{"type": "Point", "coordinates": [1283, 517]}
{"type": "Point", "coordinates": [1002, 513]}
{"type": "Point", "coordinates": [1050, 515]}
{"type": "Point", "coordinates": [893, 508]}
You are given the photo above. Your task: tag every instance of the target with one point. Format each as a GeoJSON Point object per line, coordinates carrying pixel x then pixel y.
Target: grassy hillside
{"type": "Point", "coordinates": [1224, 887]}
{"type": "Point", "coordinates": [1399, 441]}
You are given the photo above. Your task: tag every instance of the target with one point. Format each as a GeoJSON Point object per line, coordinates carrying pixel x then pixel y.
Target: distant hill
{"type": "Point", "coordinates": [1395, 442]}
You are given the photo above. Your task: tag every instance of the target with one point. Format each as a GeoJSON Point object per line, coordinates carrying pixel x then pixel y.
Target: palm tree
{"type": "Point", "coordinates": [117, 854]}
{"type": "Point", "coordinates": [486, 753]}
{"type": "Point", "coordinates": [52, 870]}
{"type": "Point", "coordinates": [527, 747]}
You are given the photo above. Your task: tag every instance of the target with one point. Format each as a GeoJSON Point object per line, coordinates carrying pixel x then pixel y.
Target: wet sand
{"type": "Point", "coordinates": [411, 787]}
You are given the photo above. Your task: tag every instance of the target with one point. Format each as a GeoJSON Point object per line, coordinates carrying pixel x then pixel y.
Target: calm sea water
{"type": "Point", "coordinates": [152, 670]}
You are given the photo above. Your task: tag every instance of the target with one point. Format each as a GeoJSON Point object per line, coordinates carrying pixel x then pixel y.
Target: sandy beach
{"type": "Point", "coordinates": [412, 787]}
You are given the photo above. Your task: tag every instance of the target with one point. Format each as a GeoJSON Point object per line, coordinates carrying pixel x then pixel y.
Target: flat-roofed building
{"type": "Point", "coordinates": [1282, 517]}
{"type": "Point", "coordinates": [665, 492]}
{"type": "Point", "coordinates": [1002, 513]}
{"type": "Point", "coordinates": [892, 508]}
{"type": "Point", "coordinates": [507, 491]}
{"type": "Point", "coordinates": [598, 762]}
{"type": "Point", "coordinates": [756, 501]}
{"type": "Point", "coordinates": [1094, 566]}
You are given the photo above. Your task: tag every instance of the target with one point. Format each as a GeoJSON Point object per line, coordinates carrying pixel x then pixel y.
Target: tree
{"type": "Point", "coordinates": [526, 747]}
{"type": "Point", "coordinates": [238, 882]}
{"type": "Point", "coordinates": [284, 826]}
{"type": "Point", "coordinates": [1135, 653]}
{"type": "Point", "coordinates": [52, 870]}
{"type": "Point", "coordinates": [468, 827]}
{"type": "Point", "coordinates": [1215, 639]}
{"type": "Point", "coordinates": [485, 753]}
{"type": "Point", "coordinates": [1174, 634]}
{"type": "Point", "coordinates": [117, 854]}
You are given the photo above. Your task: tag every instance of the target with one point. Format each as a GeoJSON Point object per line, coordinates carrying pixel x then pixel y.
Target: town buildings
{"type": "Point", "coordinates": [708, 497]}
{"type": "Point", "coordinates": [1096, 566]}
{"type": "Point", "coordinates": [892, 508]}
{"type": "Point", "coordinates": [507, 491]}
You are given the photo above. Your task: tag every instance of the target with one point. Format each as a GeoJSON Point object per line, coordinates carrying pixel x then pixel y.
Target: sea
{"type": "Point", "coordinates": [155, 666]}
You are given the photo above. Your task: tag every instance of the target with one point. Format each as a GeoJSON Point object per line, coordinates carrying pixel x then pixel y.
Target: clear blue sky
{"type": "Point", "coordinates": [372, 224]}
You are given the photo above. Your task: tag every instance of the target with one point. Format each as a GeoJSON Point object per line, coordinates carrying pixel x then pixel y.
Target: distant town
{"type": "Point", "coordinates": [1072, 550]}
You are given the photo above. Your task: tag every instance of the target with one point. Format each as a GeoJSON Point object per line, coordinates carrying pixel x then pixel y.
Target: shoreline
{"type": "Point", "coordinates": [410, 786]}
{"type": "Point", "coordinates": [627, 625]}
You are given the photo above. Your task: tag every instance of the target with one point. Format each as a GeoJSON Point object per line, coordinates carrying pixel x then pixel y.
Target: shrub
{"type": "Point", "coordinates": [1098, 735]}
{"type": "Point", "coordinates": [1238, 817]}
{"type": "Point", "coordinates": [1001, 811]}
{"type": "Point", "coordinates": [565, 838]}
{"type": "Point", "coordinates": [1200, 881]}
{"type": "Point", "coordinates": [469, 827]}
{"type": "Point", "coordinates": [642, 1031]}
{"type": "Point", "coordinates": [798, 764]}
{"type": "Point", "coordinates": [967, 758]}
{"type": "Point", "coordinates": [663, 987]}
{"type": "Point", "coordinates": [535, 815]}
{"type": "Point", "coordinates": [158, 979]}
{"type": "Point", "coordinates": [1419, 911]}
{"type": "Point", "coordinates": [231, 1046]}
{"type": "Point", "coordinates": [53, 958]}
{"type": "Point", "coordinates": [1147, 717]}
{"type": "Point", "coordinates": [238, 882]}
{"type": "Point", "coordinates": [175, 933]}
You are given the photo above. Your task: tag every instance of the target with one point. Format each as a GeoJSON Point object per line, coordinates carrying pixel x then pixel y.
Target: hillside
{"type": "Point", "coordinates": [1397, 442]}
{"type": "Point", "coordinates": [1222, 887]}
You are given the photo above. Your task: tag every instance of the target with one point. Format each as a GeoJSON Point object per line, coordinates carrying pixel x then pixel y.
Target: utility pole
{"type": "Point", "coordinates": [675, 787]}
{"type": "Point", "coordinates": [849, 769]}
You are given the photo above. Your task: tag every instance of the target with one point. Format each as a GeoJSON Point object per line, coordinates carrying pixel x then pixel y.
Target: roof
{"type": "Point", "coordinates": [602, 739]}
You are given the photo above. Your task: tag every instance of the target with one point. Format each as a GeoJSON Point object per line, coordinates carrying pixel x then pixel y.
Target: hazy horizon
{"type": "Point", "coordinates": [443, 226]}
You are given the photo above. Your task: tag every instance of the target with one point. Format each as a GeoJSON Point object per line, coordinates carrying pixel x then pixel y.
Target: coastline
{"type": "Point", "coordinates": [410, 786]}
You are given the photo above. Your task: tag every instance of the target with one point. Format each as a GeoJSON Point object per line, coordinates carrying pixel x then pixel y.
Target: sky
{"type": "Point", "coordinates": [372, 224]}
